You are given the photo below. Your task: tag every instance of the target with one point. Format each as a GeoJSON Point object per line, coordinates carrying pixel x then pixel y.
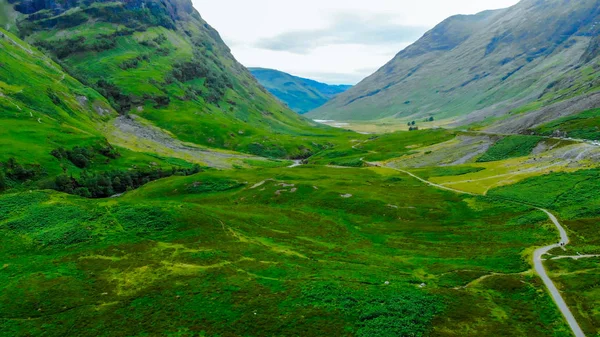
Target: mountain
{"type": "Point", "coordinates": [300, 94]}
{"type": "Point", "coordinates": [161, 62]}
{"type": "Point", "coordinates": [470, 68]}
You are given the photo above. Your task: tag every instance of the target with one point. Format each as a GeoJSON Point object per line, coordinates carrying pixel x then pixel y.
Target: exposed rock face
{"type": "Point", "coordinates": [168, 12]}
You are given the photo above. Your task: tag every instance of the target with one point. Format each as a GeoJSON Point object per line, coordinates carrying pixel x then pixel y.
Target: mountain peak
{"type": "Point", "coordinates": [468, 63]}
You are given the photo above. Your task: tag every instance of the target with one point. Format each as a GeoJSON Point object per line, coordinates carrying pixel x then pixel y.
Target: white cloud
{"type": "Point", "coordinates": [335, 41]}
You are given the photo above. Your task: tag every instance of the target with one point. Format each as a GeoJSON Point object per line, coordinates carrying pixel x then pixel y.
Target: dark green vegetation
{"type": "Point", "coordinates": [585, 125]}
{"type": "Point", "coordinates": [575, 197]}
{"type": "Point", "coordinates": [300, 94]}
{"type": "Point", "coordinates": [218, 253]}
{"type": "Point", "coordinates": [476, 67]}
{"type": "Point", "coordinates": [510, 147]}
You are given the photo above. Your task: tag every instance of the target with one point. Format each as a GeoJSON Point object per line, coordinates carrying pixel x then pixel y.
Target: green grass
{"type": "Point", "coordinates": [510, 147]}
{"type": "Point", "coordinates": [446, 171]}
{"type": "Point", "coordinates": [575, 198]}
{"type": "Point", "coordinates": [267, 163]}
{"type": "Point", "coordinates": [585, 125]}
{"type": "Point", "coordinates": [380, 147]}
{"type": "Point", "coordinates": [210, 253]}
{"type": "Point", "coordinates": [579, 281]}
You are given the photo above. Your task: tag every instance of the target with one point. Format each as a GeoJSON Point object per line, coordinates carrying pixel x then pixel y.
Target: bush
{"type": "Point", "coordinates": [20, 173]}
{"type": "Point", "coordinates": [3, 182]}
{"type": "Point", "coordinates": [119, 101]}
{"type": "Point", "coordinates": [510, 147]}
{"type": "Point", "coordinates": [107, 184]}
{"type": "Point", "coordinates": [79, 160]}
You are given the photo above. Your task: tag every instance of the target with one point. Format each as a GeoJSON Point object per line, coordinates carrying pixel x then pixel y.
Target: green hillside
{"type": "Point", "coordinates": [300, 94]}
{"type": "Point", "coordinates": [474, 68]}
{"type": "Point", "coordinates": [161, 61]}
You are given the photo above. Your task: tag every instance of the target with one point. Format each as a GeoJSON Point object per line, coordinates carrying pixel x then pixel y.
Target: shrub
{"type": "Point", "coordinates": [3, 182]}
{"type": "Point", "coordinates": [106, 184]}
{"type": "Point", "coordinates": [510, 147]}
{"type": "Point", "coordinates": [20, 173]}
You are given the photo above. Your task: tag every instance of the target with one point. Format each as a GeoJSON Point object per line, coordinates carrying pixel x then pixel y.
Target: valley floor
{"type": "Point", "coordinates": [317, 249]}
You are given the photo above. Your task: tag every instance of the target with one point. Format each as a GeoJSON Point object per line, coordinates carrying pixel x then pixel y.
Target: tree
{"type": "Point", "coordinates": [80, 160]}
{"type": "Point", "coordinates": [117, 185]}
{"type": "Point", "coordinates": [3, 182]}
{"type": "Point", "coordinates": [413, 123]}
{"type": "Point", "coordinates": [64, 183]}
{"type": "Point", "coordinates": [431, 119]}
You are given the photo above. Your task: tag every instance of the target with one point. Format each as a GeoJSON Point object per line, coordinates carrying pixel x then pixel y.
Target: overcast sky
{"type": "Point", "coordinates": [333, 41]}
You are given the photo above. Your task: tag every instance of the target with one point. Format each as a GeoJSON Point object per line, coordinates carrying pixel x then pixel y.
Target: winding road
{"type": "Point", "coordinates": [541, 270]}
{"type": "Point", "coordinates": [537, 256]}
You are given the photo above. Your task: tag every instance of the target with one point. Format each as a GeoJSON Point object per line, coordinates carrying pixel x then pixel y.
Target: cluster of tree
{"type": "Point", "coordinates": [66, 47]}
{"type": "Point", "coordinates": [124, 103]}
{"type": "Point", "coordinates": [413, 128]}
{"type": "Point", "coordinates": [155, 42]}
{"type": "Point", "coordinates": [430, 119]}
{"type": "Point", "coordinates": [413, 123]}
{"type": "Point", "coordinates": [216, 81]}
{"type": "Point", "coordinates": [134, 62]}
{"type": "Point", "coordinates": [121, 102]}
{"type": "Point", "coordinates": [107, 184]}
{"type": "Point", "coordinates": [13, 172]}
{"type": "Point", "coordinates": [82, 157]}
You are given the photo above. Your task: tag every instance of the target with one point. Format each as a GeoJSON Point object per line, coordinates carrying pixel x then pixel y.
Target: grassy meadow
{"type": "Point", "coordinates": [309, 250]}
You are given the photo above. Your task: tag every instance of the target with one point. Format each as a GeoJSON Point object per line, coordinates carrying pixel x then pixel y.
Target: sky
{"type": "Point", "coordinates": [332, 41]}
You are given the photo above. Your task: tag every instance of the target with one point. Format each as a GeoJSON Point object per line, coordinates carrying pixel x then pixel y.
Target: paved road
{"type": "Point", "coordinates": [541, 270]}
{"type": "Point", "coordinates": [537, 258]}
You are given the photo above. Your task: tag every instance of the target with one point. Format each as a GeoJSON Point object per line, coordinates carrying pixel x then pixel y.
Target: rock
{"type": "Point", "coordinates": [82, 100]}
{"type": "Point", "coordinates": [346, 196]}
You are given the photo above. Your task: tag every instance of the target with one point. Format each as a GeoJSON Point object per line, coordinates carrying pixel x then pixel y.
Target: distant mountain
{"type": "Point", "coordinates": [300, 94]}
{"type": "Point", "coordinates": [476, 68]}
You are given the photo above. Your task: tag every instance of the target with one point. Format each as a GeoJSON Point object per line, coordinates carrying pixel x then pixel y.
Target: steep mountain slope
{"type": "Point", "coordinates": [160, 60]}
{"type": "Point", "coordinates": [485, 63]}
{"type": "Point", "coordinates": [54, 133]}
{"type": "Point", "coordinates": [42, 108]}
{"type": "Point", "coordinates": [300, 94]}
